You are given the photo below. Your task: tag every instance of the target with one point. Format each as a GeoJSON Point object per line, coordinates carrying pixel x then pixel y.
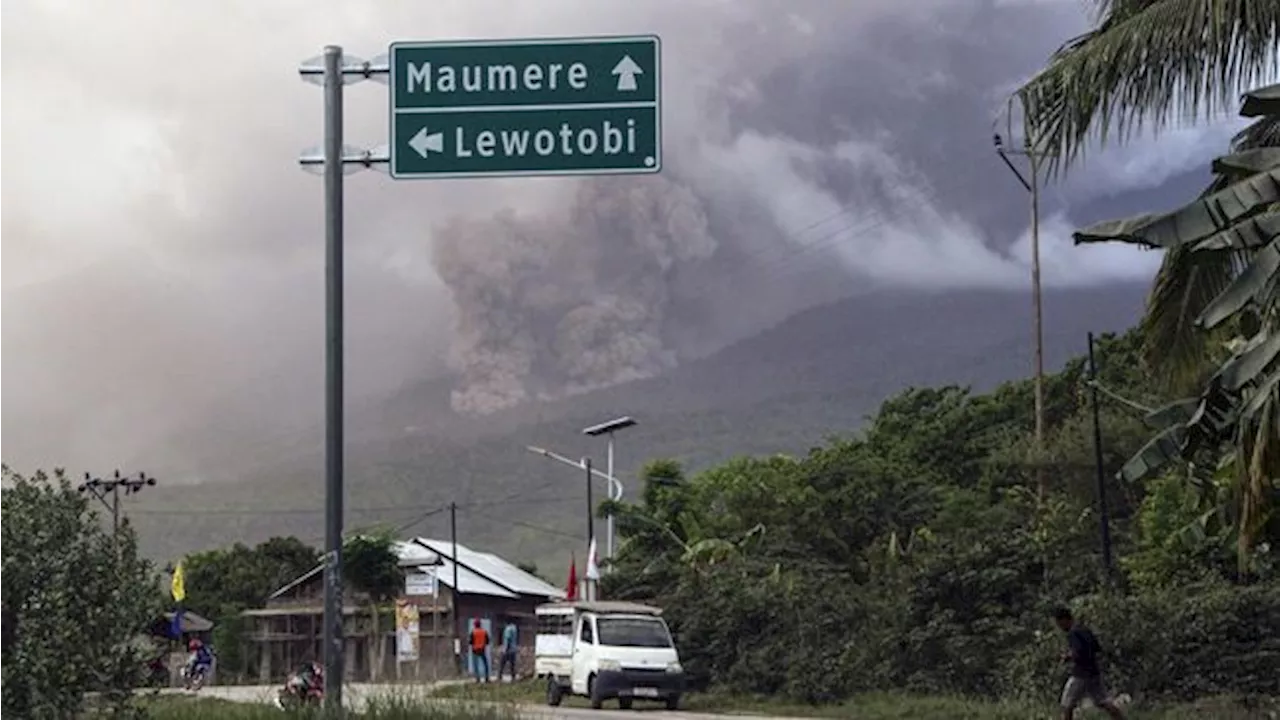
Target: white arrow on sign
{"type": "Point", "coordinates": [627, 70]}
{"type": "Point", "coordinates": [424, 143]}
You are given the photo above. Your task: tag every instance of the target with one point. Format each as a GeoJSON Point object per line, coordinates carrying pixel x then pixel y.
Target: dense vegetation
{"type": "Point", "coordinates": [914, 556]}
{"type": "Point", "coordinates": [77, 600]}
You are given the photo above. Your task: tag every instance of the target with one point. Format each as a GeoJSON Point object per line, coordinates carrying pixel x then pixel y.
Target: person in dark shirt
{"type": "Point", "coordinates": [1086, 672]}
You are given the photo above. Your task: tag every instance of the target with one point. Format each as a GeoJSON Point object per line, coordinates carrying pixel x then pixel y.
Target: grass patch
{"type": "Point", "coordinates": [879, 706]}
{"type": "Point", "coordinates": [389, 706]}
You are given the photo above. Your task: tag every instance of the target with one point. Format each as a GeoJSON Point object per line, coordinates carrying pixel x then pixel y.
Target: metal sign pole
{"type": "Point", "coordinates": [333, 631]}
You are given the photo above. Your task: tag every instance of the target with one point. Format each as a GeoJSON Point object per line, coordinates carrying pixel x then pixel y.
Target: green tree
{"type": "Point", "coordinates": [79, 599]}
{"type": "Point", "coordinates": [370, 565]}
{"type": "Point", "coordinates": [224, 582]}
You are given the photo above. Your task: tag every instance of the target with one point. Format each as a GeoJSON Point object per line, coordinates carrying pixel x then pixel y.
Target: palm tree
{"type": "Point", "coordinates": [1150, 62]}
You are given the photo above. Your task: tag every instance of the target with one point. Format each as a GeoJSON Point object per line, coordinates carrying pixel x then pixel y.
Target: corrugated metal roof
{"type": "Point", "coordinates": [471, 583]}
{"type": "Point", "coordinates": [478, 573]}
{"type": "Point", "coordinates": [413, 552]}
{"type": "Point", "coordinates": [493, 568]}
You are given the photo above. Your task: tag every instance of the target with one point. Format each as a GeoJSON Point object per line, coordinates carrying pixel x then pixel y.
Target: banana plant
{"type": "Point", "coordinates": [1237, 412]}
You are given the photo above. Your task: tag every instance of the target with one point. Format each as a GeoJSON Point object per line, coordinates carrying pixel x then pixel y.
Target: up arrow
{"type": "Point", "coordinates": [627, 70]}
{"type": "Point", "coordinates": [423, 143]}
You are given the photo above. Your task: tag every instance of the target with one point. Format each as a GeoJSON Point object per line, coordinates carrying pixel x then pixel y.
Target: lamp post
{"type": "Point", "coordinates": [615, 488]}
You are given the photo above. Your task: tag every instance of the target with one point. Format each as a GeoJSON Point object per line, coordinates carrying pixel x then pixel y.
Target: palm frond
{"type": "Point", "coordinates": [1187, 282]}
{"type": "Point", "coordinates": [1147, 62]}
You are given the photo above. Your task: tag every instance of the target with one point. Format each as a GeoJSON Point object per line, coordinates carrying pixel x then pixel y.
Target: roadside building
{"type": "Point", "coordinates": [287, 630]}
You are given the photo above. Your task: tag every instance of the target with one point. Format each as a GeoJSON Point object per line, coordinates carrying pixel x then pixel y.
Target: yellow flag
{"type": "Point", "coordinates": [179, 587]}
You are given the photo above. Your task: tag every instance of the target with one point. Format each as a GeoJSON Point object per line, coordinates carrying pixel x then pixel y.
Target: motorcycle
{"type": "Point", "coordinates": [193, 676]}
{"type": "Point", "coordinates": [302, 689]}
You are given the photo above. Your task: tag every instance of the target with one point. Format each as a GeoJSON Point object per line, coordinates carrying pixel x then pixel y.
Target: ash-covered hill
{"type": "Point", "coordinates": [819, 373]}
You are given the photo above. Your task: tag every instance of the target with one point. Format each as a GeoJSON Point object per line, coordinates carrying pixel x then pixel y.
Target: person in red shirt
{"type": "Point", "coordinates": [479, 642]}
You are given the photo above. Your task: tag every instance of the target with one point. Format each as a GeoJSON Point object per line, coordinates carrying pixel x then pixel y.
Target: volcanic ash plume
{"type": "Point", "coordinates": [572, 298]}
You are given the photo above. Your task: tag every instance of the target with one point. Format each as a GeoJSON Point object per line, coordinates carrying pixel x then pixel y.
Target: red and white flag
{"type": "Point", "coordinates": [593, 562]}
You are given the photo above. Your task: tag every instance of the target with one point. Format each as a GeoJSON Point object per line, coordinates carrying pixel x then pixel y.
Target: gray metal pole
{"type": "Point", "coordinates": [333, 630]}
{"type": "Point", "coordinates": [591, 527]}
{"type": "Point", "coordinates": [613, 483]}
{"type": "Point", "coordinates": [1104, 512]}
{"type": "Point", "coordinates": [454, 611]}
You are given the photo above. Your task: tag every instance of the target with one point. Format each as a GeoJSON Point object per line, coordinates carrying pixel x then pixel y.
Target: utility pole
{"type": "Point", "coordinates": [1104, 513]}
{"type": "Point", "coordinates": [457, 618]}
{"type": "Point", "coordinates": [1033, 187]}
{"type": "Point", "coordinates": [100, 488]}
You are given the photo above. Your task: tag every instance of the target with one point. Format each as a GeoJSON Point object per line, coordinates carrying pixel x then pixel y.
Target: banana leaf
{"type": "Point", "coordinates": [1262, 101]}
{"type": "Point", "coordinates": [1251, 287]}
{"type": "Point", "coordinates": [1194, 221]}
{"type": "Point", "coordinates": [1250, 234]}
{"type": "Point", "coordinates": [1177, 412]}
{"type": "Point", "coordinates": [1159, 451]}
{"type": "Point", "coordinates": [1247, 162]}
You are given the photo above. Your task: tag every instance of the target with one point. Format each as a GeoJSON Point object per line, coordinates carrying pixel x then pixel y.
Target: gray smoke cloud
{"type": "Point", "coordinates": [569, 301]}
{"type": "Point", "coordinates": [162, 280]}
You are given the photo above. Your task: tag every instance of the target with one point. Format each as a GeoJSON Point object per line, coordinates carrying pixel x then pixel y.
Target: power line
{"type": "Point", "coordinates": [529, 526]}
{"type": "Point", "coordinates": [269, 512]}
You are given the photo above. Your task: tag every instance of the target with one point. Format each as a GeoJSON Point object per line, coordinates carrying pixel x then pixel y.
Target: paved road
{"type": "Point", "coordinates": [356, 694]}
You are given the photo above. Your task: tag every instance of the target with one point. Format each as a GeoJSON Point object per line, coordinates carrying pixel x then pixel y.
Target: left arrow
{"type": "Point", "coordinates": [424, 143]}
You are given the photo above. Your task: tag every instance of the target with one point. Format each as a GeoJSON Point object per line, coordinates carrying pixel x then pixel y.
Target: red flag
{"type": "Point", "coordinates": [571, 592]}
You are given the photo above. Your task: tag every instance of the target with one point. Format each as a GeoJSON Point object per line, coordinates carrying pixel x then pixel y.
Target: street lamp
{"type": "Point", "coordinates": [580, 465]}
{"type": "Point", "coordinates": [615, 494]}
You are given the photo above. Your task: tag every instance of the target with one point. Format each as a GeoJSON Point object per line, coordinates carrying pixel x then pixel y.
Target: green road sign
{"type": "Point", "coordinates": [575, 106]}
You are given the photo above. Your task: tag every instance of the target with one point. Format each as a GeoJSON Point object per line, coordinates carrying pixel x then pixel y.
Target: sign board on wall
{"type": "Point", "coordinates": [406, 631]}
{"type": "Point", "coordinates": [423, 583]}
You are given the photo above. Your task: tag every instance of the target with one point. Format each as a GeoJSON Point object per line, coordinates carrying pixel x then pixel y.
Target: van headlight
{"type": "Point", "coordinates": [610, 665]}
{"type": "Point", "coordinates": [674, 668]}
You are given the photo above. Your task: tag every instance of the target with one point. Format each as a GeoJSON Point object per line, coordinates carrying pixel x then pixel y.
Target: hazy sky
{"type": "Point", "coordinates": [162, 253]}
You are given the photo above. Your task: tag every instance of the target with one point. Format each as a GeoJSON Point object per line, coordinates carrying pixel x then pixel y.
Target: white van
{"type": "Point", "coordinates": [605, 650]}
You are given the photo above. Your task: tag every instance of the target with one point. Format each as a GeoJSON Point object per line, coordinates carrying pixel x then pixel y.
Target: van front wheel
{"type": "Point", "coordinates": [554, 692]}
{"type": "Point", "coordinates": [593, 691]}
{"type": "Point", "coordinates": [673, 702]}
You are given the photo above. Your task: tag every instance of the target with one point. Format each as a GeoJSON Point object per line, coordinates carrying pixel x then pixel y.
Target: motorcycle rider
{"type": "Point", "coordinates": [200, 659]}
{"type": "Point", "coordinates": [305, 684]}
{"type": "Point", "coordinates": [312, 677]}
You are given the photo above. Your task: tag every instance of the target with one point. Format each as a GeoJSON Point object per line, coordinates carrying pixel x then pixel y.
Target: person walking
{"type": "Point", "coordinates": [1086, 672]}
{"type": "Point", "coordinates": [510, 650]}
{"type": "Point", "coordinates": [479, 641]}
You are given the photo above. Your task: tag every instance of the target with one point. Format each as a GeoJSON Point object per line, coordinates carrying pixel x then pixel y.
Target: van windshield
{"type": "Point", "coordinates": [633, 632]}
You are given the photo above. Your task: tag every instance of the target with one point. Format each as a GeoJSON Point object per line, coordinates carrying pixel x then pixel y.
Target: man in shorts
{"type": "Point", "coordinates": [1086, 673]}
